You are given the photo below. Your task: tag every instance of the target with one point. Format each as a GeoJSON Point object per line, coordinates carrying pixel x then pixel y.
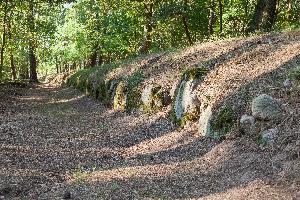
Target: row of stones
{"type": "Point", "coordinates": [185, 104]}
{"type": "Point", "coordinates": [153, 97]}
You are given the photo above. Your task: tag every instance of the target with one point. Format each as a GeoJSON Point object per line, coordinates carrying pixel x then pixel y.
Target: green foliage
{"type": "Point", "coordinates": [295, 74]}
{"type": "Point", "coordinates": [261, 141]}
{"type": "Point", "coordinates": [85, 33]}
{"type": "Point", "coordinates": [195, 73]}
{"type": "Point", "coordinates": [224, 121]}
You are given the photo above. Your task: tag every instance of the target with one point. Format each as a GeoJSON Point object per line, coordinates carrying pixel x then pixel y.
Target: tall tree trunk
{"type": "Point", "coordinates": [31, 52]}
{"type": "Point", "coordinates": [148, 7]}
{"type": "Point", "coordinates": [257, 16]}
{"type": "Point", "coordinates": [100, 58]}
{"type": "Point", "coordinates": [57, 65]}
{"type": "Point", "coordinates": [185, 22]}
{"type": "Point", "coordinates": [32, 63]}
{"type": "Point", "coordinates": [212, 17]}
{"type": "Point", "coordinates": [246, 4]}
{"type": "Point", "coordinates": [289, 11]}
{"type": "Point", "coordinates": [11, 56]}
{"type": "Point", "coordinates": [271, 14]}
{"type": "Point", "coordinates": [93, 58]}
{"type": "Point", "coordinates": [3, 40]}
{"type": "Point", "coordinates": [12, 66]}
{"type": "Point", "coordinates": [221, 15]}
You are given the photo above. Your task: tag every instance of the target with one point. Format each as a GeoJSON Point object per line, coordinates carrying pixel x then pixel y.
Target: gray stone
{"type": "Point", "coordinates": [173, 89]}
{"type": "Point", "coordinates": [205, 122]}
{"type": "Point", "coordinates": [186, 100]}
{"type": "Point", "coordinates": [112, 91]}
{"type": "Point", "coordinates": [247, 124]}
{"type": "Point", "coordinates": [120, 96]}
{"type": "Point", "coordinates": [264, 107]}
{"type": "Point", "coordinates": [269, 136]}
{"type": "Point", "coordinates": [152, 98]}
{"type": "Point", "coordinates": [287, 84]}
{"type": "Point", "coordinates": [146, 94]}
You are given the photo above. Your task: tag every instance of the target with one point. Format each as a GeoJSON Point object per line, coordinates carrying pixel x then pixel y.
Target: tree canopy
{"type": "Point", "coordinates": [41, 37]}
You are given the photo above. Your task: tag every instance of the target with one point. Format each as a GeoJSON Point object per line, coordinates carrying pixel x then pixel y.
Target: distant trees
{"type": "Point", "coordinates": [51, 36]}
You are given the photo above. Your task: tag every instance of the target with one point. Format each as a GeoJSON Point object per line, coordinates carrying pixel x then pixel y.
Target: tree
{"type": "Point", "coordinates": [3, 37]}
{"type": "Point", "coordinates": [267, 6]}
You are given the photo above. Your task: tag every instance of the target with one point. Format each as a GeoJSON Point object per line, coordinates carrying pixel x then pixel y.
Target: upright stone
{"type": "Point", "coordinates": [205, 122]}
{"type": "Point", "coordinates": [186, 104]}
{"type": "Point", "coordinates": [120, 96]}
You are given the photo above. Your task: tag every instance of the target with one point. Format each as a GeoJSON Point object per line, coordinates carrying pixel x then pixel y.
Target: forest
{"type": "Point", "coordinates": [149, 99]}
{"type": "Point", "coordinates": [40, 37]}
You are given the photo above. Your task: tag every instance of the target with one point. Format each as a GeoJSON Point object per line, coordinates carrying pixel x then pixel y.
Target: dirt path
{"type": "Point", "coordinates": [56, 143]}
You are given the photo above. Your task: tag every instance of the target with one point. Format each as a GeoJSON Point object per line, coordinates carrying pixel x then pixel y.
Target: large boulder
{"type": "Point", "coordinates": [186, 104]}
{"type": "Point", "coordinates": [264, 107]}
{"type": "Point", "coordinates": [153, 98]}
{"type": "Point", "coordinates": [205, 122]}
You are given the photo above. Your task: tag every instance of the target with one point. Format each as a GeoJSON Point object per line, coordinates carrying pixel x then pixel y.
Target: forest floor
{"type": "Point", "coordinates": [56, 143]}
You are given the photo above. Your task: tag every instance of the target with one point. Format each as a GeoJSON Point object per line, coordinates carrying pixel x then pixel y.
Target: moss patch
{"type": "Point", "coordinates": [224, 121]}
{"type": "Point", "coordinates": [195, 73]}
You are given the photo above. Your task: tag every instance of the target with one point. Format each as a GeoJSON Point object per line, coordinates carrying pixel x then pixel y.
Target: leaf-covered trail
{"type": "Point", "coordinates": [55, 143]}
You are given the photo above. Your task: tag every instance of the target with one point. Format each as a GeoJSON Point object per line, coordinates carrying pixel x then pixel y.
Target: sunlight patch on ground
{"type": "Point", "coordinates": [67, 100]}
{"type": "Point", "coordinates": [213, 159]}
{"type": "Point", "coordinates": [257, 189]}
{"type": "Point", "coordinates": [167, 141]}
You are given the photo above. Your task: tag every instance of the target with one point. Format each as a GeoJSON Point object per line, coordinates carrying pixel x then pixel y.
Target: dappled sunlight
{"type": "Point", "coordinates": [54, 101]}
{"type": "Point", "coordinates": [167, 141]}
{"type": "Point", "coordinates": [257, 189]}
{"type": "Point", "coordinates": [250, 66]}
{"type": "Point", "coordinates": [209, 161]}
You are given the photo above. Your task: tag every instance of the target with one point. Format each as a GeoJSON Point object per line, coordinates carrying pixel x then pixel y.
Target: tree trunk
{"type": "Point", "coordinates": [221, 15]}
{"type": "Point", "coordinates": [3, 40]}
{"type": "Point", "coordinates": [212, 17]}
{"type": "Point", "coordinates": [32, 64]}
{"type": "Point", "coordinates": [31, 52]}
{"type": "Point", "coordinates": [271, 14]}
{"type": "Point", "coordinates": [12, 66]}
{"type": "Point", "coordinates": [246, 4]}
{"type": "Point", "coordinates": [57, 65]}
{"type": "Point", "coordinates": [11, 56]}
{"type": "Point", "coordinates": [100, 59]}
{"type": "Point", "coordinates": [93, 58]}
{"type": "Point", "coordinates": [148, 27]}
{"type": "Point", "coordinates": [289, 11]}
{"type": "Point", "coordinates": [257, 16]}
{"type": "Point", "coordinates": [185, 22]}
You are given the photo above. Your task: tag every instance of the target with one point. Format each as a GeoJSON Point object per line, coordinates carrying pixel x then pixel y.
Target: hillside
{"type": "Point", "coordinates": [165, 126]}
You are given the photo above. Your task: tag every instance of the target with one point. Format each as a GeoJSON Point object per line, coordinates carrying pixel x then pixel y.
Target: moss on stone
{"type": "Point", "coordinates": [195, 73]}
{"type": "Point", "coordinates": [190, 74]}
{"type": "Point", "coordinates": [224, 121]}
{"type": "Point", "coordinates": [133, 99]}
{"type": "Point", "coordinates": [156, 100]}
{"type": "Point", "coordinates": [88, 87]}
{"type": "Point", "coordinates": [190, 116]}
{"type": "Point", "coordinates": [102, 91]}
{"type": "Point", "coordinates": [120, 96]}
